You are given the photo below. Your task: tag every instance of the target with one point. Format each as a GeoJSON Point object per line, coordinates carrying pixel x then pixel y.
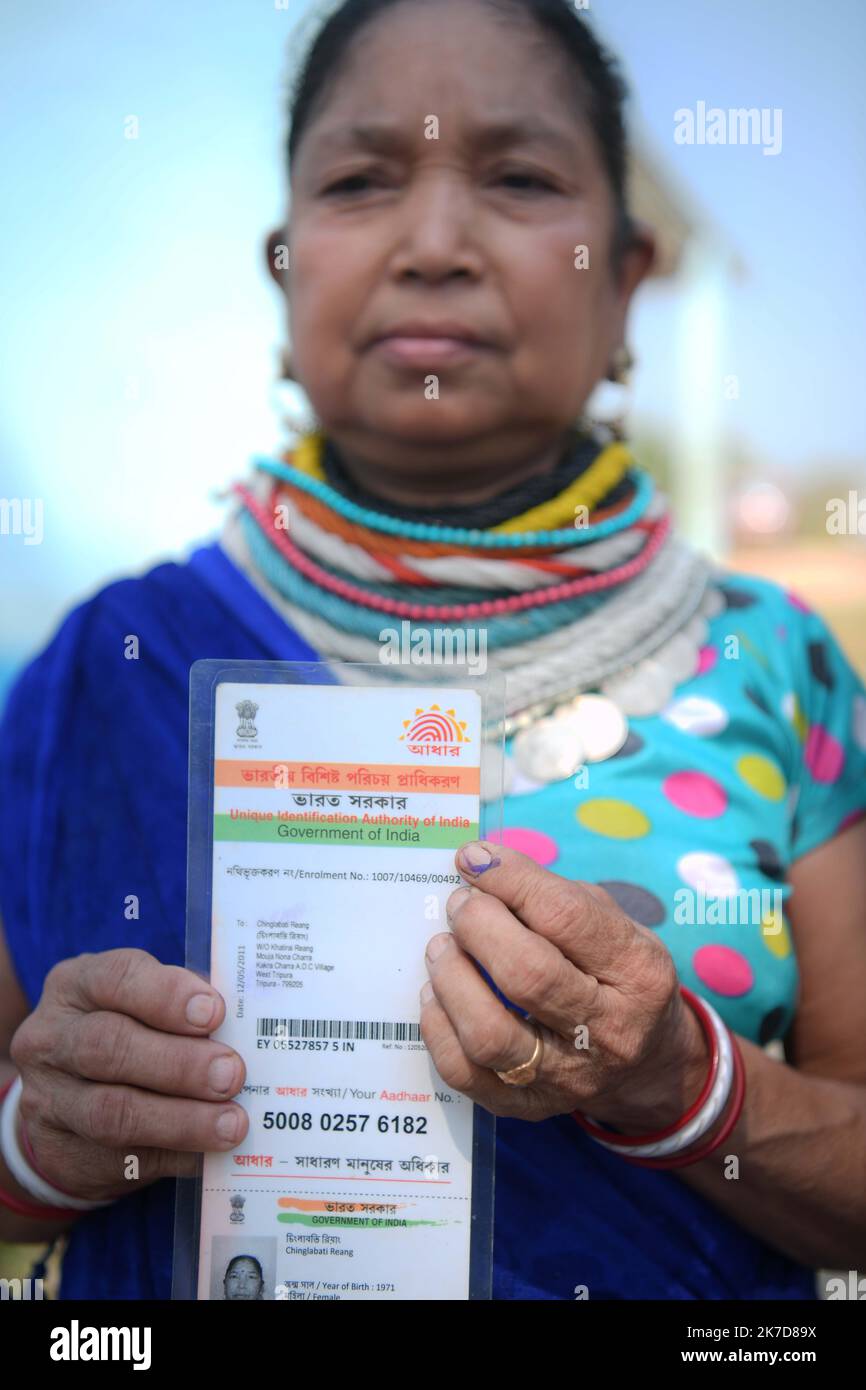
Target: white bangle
{"type": "Point", "coordinates": [709, 1112]}
{"type": "Point", "coordinates": [18, 1165]}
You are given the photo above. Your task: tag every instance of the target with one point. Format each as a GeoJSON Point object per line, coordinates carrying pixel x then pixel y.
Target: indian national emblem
{"type": "Point", "coordinates": [246, 713]}
{"type": "Point", "coordinates": [237, 1217]}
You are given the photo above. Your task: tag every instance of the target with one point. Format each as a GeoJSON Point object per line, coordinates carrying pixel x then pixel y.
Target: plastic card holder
{"type": "Point", "coordinates": [326, 803]}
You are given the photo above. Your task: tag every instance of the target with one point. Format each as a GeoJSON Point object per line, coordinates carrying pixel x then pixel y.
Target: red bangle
{"type": "Point", "coordinates": [695, 1155]}
{"type": "Point", "coordinates": [31, 1208]}
{"type": "Point", "coordinates": [610, 1136]}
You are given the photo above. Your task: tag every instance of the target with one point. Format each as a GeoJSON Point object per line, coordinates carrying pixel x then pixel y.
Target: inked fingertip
{"type": "Point", "coordinates": [478, 856]}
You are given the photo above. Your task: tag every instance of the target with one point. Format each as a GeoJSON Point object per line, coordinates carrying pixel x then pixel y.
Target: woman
{"type": "Point", "coordinates": [725, 755]}
{"type": "Point", "coordinates": [243, 1278]}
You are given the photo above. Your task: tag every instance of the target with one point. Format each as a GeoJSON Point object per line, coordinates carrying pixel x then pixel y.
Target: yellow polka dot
{"type": "Point", "coordinates": [775, 934]}
{"type": "Point", "coordinates": [618, 819]}
{"type": "Point", "coordinates": [762, 775]}
{"type": "Point", "coordinates": [798, 719]}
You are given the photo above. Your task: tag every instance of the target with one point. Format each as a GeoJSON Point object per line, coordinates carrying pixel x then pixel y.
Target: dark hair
{"type": "Point", "coordinates": [601, 88]}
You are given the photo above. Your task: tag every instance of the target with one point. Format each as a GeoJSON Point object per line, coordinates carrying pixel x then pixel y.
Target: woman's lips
{"type": "Point", "coordinates": [426, 352]}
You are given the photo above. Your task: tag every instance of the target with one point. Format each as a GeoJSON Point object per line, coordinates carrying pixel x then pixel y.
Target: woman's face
{"type": "Point", "coordinates": [439, 220]}
{"type": "Point", "coordinates": [242, 1279]}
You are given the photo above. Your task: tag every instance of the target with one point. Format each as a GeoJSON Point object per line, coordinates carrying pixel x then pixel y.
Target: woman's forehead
{"type": "Point", "coordinates": [448, 60]}
{"type": "Point", "coordinates": [486, 131]}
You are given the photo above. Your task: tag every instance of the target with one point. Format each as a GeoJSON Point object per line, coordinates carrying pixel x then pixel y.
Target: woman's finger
{"type": "Point", "coordinates": [113, 1047]}
{"type": "Point", "coordinates": [594, 937]}
{"type": "Point", "coordinates": [456, 1069]}
{"type": "Point", "coordinates": [124, 1117]}
{"type": "Point", "coordinates": [131, 981]}
{"type": "Point", "coordinates": [490, 1035]}
{"type": "Point", "coordinates": [529, 970]}
{"type": "Point", "coordinates": [93, 1172]}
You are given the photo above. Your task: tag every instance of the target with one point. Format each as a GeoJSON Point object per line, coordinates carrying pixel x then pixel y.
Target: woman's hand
{"type": "Point", "coordinates": [115, 1060]}
{"type": "Point", "coordinates": [619, 1044]}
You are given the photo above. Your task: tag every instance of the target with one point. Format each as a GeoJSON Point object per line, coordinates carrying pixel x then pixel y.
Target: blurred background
{"type": "Point", "coordinates": [142, 165]}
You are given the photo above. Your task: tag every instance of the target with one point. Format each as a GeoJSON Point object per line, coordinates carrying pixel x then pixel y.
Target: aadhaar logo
{"type": "Point", "coordinates": [435, 730]}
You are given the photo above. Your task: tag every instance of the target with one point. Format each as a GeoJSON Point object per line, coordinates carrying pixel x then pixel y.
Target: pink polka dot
{"type": "Point", "coordinates": [824, 755]}
{"type": "Point", "coordinates": [724, 970]}
{"type": "Point", "coordinates": [781, 632]}
{"type": "Point", "coordinates": [851, 819]}
{"type": "Point", "coordinates": [533, 843]}
{"type": "Point", "coordinates": [695, 793]}
{"type": "Point", "coordinates": [796, 602]}
{"type": "Point", "coordinates": [707, 658]}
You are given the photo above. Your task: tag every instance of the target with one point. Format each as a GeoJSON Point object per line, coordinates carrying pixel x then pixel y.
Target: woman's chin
{"type": "Point", "coordinates": [452, 422]}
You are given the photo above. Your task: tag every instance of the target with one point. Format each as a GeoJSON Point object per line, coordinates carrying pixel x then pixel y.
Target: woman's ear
{"type": "Point", "coordinates": [637, 260]}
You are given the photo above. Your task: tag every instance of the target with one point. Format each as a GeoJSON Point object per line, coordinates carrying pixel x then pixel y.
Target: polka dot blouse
{"type": "Point", "coordinates": [756, 761]}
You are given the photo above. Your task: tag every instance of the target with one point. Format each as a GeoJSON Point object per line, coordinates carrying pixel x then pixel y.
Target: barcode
{"type": "Point", "coordinates": [338, 1028]}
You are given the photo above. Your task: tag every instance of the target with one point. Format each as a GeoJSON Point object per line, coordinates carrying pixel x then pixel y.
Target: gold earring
{"type": "Point", "coordinates": [620, 366]}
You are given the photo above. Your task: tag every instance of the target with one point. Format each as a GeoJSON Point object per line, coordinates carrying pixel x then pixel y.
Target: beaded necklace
{"type": "Point", "coordinates": [583, 597]}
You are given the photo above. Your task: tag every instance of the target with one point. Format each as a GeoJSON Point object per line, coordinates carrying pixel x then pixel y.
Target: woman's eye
{"type": "Point", "coordinates": [519, 180]}
{"type": "Point", "coordinates": [521, 177]}
{"type": "Point", "coordinates": [342, 185]}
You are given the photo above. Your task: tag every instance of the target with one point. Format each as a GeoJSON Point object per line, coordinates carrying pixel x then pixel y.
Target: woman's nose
{"type": "Point", "coordinates": [436, 232]}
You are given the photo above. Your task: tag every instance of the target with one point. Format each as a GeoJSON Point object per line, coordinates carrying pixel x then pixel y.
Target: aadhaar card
{"type": "Point", "coordinates": [335, 811]}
